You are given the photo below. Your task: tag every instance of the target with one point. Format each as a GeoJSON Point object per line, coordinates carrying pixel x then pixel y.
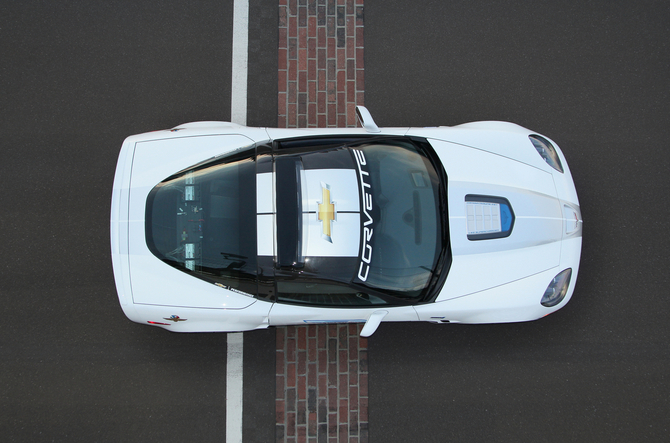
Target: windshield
{"type": "Point", "coordinates": [367, 216]}
{"type": "Point", "coordinates": [203, 221]}
{"type": "Point", "coordinates": [316, 222]}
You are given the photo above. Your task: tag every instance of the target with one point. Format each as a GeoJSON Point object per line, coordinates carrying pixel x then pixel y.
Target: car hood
{"type": "Point", "coordinates": [534, 244]}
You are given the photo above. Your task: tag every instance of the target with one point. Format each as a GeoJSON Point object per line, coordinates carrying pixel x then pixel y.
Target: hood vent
{"type": "Point", "coordinates": [488, 217]}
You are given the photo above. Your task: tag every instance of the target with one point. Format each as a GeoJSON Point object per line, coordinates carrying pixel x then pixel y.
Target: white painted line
{"type": "Point", "coordinates": [234, 372]}
{"type": "Point", "coordinates": [238, 114]}
{"type": "Point", "coordinates": [238, 107]}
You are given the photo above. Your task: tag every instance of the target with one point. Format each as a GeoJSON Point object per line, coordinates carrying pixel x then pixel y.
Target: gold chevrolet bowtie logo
{"type": "Point", "coordinates": [327, 213]}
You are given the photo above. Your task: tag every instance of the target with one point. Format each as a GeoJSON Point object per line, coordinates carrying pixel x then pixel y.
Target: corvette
{"type": "Point", "coordinates": [222, 227]}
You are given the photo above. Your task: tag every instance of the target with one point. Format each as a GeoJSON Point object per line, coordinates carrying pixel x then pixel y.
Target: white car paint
{"type": "Point", "coordinates": [499, 280]}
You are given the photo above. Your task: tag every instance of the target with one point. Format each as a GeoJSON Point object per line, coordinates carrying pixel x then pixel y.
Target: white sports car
{"type": "Point", "coordinates": [222, 227]}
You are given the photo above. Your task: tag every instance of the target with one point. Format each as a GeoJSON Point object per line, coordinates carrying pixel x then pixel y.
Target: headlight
{"type": "Point", "coordinates": [557, 289]}
{"type": "Point", "coordinates": [547, 151]}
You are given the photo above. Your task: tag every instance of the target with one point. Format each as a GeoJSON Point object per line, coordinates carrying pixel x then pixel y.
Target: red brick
{"type": "Point", "coordinates": [343, 365]}
{"type": "Point", "coordinates": [311, 70]}
{"type": "Point", "coordinates": [332, 69]}
{"type": "Point", "coordinates": [282, 59]}
{"type": "Point", "coordinates": [342, 429]}
{"type": "Point", "coordinates": [311, 367]}
{"type": "Point", "coordinates": [302, 16]}
{"type": "Point", "coordinates": [283, 13]}
{"type": "Point", "coordinates": [311, 424]}
{"type": "Point", "coordinates": [302, 59]}
{"type": "Point", "coordinates": [292, 97]}
{"type": "Point", "coordinates": [279, 363]}
{"type": "Point", "coordinates": [332, 399]}
{"type": "Point", "coordinates": [302, 387]}
{"type": "Point", "coordinates": [342, 86]}
{"type": "Point", "coordinates": [332, 424]}
{"type": "Point", "coordinates": [363, 409]}
{"type": "Point", "coordinates": [351, 47]}
{"type": "Point", "coordinates": [360, 14]}
{"type": "Point", "coordinates": [343, 385]}
{"type": "Point", "coordinates": [321, 121]}
{"type": "Point", "coordinates": [321, 333]}
{"type": "Point", "coordinates": [332, 93]}
{"type": "Point", "coordinates": [344, 410]}
{"type": "Point", "coordinates": [311, 48]}
{"type": "Point", "coordinates": [332, 46]}
{"type": "Point", "coordinates": [302, 362]}
{"type": "Point", "coordinates": [279, 387]}
{"type": "Point", "coordinates": [281, 121]}
{"type": "Point", "coordinates": [353, 346]}
{"type": "Point", "coordinates": [292, 117]}
{"type": "Point", "coordinates": [363, 385]}
{"type": "Point", "coordinates": [292, 70]}
{"type": "Point", "coordinates": [321, 41]}
{"type": "Point", "coordinates": [321, 80]}
{"type": "Point", "coordinates": [290, 350]}
{"type": "Point", "coordinates": [360, 80]}
{"type": "Point", "coordinates": [360, 42]}
{"type": "Point", "coordinates": [353, 423]}
{"type": "Point", "coordinates": [290, 423]}
{"type": "Point", "coordinates": [360, 58]}
{"type": "Point", "coordinates": [293, 7]}
{"type": "Point", "coordinates": [282, 84]}
{"type": "Point", "coordinates": [292, 26]}
{"type": "Point", "coordinates": [363, 360]}
{"type": "Point", "coordinates": [351, 93]}
{"type": "Point", "coordinates": [330, 26]}
{"type": "Point", "coordinates": [321, 109]}
{"type": "Point", "coordinates": [332, 330]}
{"type": "Point", "coordinates": [350, 7]}
{"type": "Point", "coordinates": [311, 26]}
{"type": "Point", "coordinates": [302, 87]}
{"type": "Point", "coordinates": [360, 98]}
{"type": "Point", "coordinates": [279, 411]}
{"type": "Point", "coordinates": [353, 398]}
{"type": "Point", "coordinates": [283, 37]}
{"type": "Point", "coordinates": [323, 385]}
{"type": "Point", "coordinates": [341, 59]}
{"type": "Point", "coordinates": [290, 375]}
{"type": "Point", "coordinates": [332, 374]}
{"type": "Point", "coordinates": [341, 120]}
{"type": "Point", "coordinates": [302, 121]}
{"type": "Point", "coordinates": [302, 38]}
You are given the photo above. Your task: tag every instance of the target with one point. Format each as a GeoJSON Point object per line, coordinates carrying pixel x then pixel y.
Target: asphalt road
{"type": "Point", "coordinates": [78, 77]}
{"type": "Point", "coordinates": [594, 77]}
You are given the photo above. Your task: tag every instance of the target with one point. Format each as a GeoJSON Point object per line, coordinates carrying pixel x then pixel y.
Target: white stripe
{"type": "Point", "coordinates": [238, 114]}
{"type": "Point", "coordinates": [234, 372]}
{"type": "Point", "coordinates": [238, 108]}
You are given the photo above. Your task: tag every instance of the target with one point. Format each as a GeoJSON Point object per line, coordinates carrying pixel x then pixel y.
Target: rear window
{"type": "Point", "coordinates": [203, 221]}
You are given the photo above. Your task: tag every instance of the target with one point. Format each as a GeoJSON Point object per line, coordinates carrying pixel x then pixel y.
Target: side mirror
{"type": "Point", "coordinates": [365, 119]}
{"type": "Point", "coordinates": [373, 323]}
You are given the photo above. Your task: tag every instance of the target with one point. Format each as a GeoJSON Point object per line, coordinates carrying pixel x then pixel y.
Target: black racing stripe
{"type": "Point", "coordinates": [289, 209]}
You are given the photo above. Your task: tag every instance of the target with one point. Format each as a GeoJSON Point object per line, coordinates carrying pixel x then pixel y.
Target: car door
{"type": "Point", "coordinates": [300, 303]}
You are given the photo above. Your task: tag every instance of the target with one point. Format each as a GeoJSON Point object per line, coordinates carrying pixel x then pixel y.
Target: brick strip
{"type": "Point", "coordinates": [321, 384]}
{"type": "Point", "coordinates": [320, 62]}
{"type": "Point", "coordinates": [322, 371]}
